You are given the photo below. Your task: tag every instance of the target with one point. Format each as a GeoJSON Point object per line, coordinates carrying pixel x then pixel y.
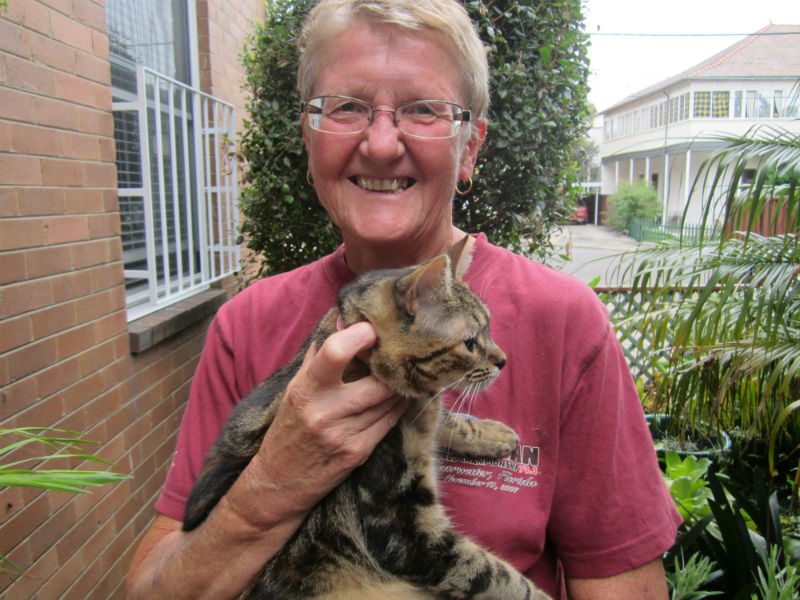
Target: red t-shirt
{"type": "Point", "coordinates": [585, 484]}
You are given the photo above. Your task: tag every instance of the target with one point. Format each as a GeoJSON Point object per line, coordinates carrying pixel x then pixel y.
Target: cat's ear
{"type": "Point", "coordinates": [460, 255]}
{"type": "Point", "coordinates": [425, 284]}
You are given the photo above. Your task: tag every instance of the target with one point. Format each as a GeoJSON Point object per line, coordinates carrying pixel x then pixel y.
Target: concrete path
{"type": "Point", "coordinates": [594, 250]}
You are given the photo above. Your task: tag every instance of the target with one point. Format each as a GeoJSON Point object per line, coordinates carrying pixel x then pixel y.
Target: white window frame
{"type": "Point", "coordinates": [210, 195]}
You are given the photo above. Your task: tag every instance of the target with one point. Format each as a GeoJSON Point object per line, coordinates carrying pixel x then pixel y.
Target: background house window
{"type": "Point", "coordinates": [720, 104]}
{"type": "Point", "coordinates": [702, 105]}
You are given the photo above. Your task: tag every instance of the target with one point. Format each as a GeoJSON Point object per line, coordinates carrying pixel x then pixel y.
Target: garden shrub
{"type": "Point", "coordinates": [524, 176]}
{"type": "Point", "coordinates": [633, 201]}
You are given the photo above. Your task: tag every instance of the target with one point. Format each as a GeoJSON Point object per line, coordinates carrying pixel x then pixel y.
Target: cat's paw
{"type": "Point", "coordinates": [479, 438]}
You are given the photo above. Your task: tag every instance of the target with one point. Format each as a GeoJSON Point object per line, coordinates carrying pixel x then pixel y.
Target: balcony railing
{"type": "Point", "coordinates": [178, 191]}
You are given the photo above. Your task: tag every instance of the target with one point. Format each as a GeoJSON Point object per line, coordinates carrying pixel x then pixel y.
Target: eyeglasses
{"type": "Point", "coordinates": [427, 119]}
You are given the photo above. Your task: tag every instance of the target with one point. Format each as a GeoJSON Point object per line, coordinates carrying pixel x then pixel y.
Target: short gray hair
{"type": "Point", "coordinates": [446, 17]}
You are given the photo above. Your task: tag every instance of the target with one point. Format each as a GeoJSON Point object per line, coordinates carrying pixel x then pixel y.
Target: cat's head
{"type": "Point", "coordinates": [433, 332]}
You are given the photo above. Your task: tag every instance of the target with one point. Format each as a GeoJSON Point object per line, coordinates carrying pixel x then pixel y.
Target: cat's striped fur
{"type": "Point", "coordinates": [382, 534]}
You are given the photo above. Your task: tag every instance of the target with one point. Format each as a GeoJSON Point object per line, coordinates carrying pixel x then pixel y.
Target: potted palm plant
{"type": "Point", "coordinates": [719, 317]}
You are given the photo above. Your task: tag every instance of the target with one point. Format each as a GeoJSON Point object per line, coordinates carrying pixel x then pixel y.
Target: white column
{"type": "Point", "coordinates": [630, 171]}
{"type": "Point", "coordinates": [616, 175]}
{"type": "Point", "coordinates": [666, 189]}
{"type": "Point", "coordinates": [647, 171]}
{"type": "Point", "coordinates": [688, 177]}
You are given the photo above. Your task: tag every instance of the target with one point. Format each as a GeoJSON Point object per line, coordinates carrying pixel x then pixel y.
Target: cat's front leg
{"type": "Point", "coordinates": [478, 438]}
{"type": "Point", "coordinates": [479, 574]}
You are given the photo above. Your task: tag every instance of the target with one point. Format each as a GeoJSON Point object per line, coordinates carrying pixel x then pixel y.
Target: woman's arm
{"type": "Point", "coordinates": [647, 582]}
{"type": "Point", "coordinates": [323, 429]}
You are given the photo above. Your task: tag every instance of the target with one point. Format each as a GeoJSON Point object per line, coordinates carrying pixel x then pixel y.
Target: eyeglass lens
{"type": "Point", "coordinates": [426, 118]}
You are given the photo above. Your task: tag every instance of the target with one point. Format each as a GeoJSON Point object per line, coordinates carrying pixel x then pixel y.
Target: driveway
{"type": "Point", "coordinates": [594, 251]}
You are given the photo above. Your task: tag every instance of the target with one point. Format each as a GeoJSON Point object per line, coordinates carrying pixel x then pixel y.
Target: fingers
{"type": "Point", "coordinates": [329, 362]}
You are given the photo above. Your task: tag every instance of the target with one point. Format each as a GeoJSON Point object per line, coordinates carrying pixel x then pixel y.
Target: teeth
{"type": "Point", "coordinates": [383, 185]}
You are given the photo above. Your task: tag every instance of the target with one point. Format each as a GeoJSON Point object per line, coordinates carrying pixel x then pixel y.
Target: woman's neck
{"type": "Point", "coordinates": [361, 257]}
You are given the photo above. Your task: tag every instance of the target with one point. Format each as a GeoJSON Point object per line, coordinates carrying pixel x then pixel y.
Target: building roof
{"type": "Point", "coordinates": [771, 52]}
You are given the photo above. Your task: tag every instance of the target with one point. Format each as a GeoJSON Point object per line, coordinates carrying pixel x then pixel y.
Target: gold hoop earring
{"type": "Point", "coordinates": [465, 191]}
{"type": "Point", "coordinates": [309, 178]}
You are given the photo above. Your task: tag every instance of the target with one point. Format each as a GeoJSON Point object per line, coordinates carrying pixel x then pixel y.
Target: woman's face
{"type": "Point", "coordinates": [380, 187]}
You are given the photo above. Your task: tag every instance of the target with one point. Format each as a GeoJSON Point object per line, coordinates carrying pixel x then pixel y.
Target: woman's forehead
{"type": "Point", "coordinates": [370, 60]}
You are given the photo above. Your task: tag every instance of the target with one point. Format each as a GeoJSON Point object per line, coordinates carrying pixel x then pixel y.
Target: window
{"type": "Point", "coordinates": [738, 104]}
{"type": "Point", "coordinates": [720, 104]}
{"type": "Point", "coordinates": [177, 184]}
{"type": "Point", "coordinates": [777, 104]}
{"type": "Point", "coordinates": [702, 105]}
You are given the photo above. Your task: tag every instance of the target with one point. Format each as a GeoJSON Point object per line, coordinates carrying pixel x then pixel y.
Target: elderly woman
{"type": "Point", "coordinates": [580, 507]}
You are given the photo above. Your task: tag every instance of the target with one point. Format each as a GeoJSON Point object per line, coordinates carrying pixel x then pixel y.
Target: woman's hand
{"type": "Point", "coordinates": [323, 429]}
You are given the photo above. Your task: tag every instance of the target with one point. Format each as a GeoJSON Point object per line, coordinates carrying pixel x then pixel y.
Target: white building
{"type": "Point", "coordinates": [663, 133]}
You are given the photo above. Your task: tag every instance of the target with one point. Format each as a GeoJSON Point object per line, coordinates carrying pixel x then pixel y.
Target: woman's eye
{"type": "Point", "coordinates": [471, 343]}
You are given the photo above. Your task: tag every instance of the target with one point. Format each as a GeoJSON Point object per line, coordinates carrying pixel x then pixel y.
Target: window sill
{"type": "Point", "coordinates": [156, 327]}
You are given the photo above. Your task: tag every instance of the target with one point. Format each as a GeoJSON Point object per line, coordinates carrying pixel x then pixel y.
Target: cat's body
{"type": "Point", "coordinates": [381, 534]}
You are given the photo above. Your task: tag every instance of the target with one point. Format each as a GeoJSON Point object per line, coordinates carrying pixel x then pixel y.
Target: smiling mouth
{"type": "Point", "coordinates": [390, 186]}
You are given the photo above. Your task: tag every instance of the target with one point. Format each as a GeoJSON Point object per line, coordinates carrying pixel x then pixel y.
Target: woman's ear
{"type": "Point", "coordinates": [469, 155]}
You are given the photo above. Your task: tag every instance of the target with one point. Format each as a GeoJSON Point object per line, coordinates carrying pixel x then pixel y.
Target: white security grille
{"type": "Point", "coordinates": [177, 189]}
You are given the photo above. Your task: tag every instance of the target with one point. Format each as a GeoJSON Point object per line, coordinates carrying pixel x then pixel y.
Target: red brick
{"type": "Point", "coordinates": [104, 225]}
{"type": "Point", "coordinates": [27, 75]}
{"type": "Point", "coordinates": [57, 113]}
{"type": "Point", "coordinates": [90, 14]}
{"type": "Point", "coordinates": [110, 326]}
{"type": "Point", "coordinates": [63, 6]}
{"type": "Point", "coordinates": [97, 358]}
{"type": "Point", "coordinates": [93, 68]}
{"type": "Point", "coordinates": [95, 121]}
{"type": "Point", "coordinates": [28, 139]}
{"type": "Point", "coordinates": [63, 229]}
{"type": "Point", "coordinates": [100, 44]}
{"type": "Point", "coordinates": [32, 358]}
{"type": "Point", "coordinates": [16, 105]}
{"type": "Point", "coordinates": [61, 172]}
{"type": "Point", "coordinates": [107, 276]}
{"type": "Point", "coordinates": [9, 207]}
{"type": "Point", "coordinates": [58, 377]}
{"type": "Point", "coordinates": [71, 285]}
{"type": "Point", "coordinates": [20, 170]}
{"type": "Point", "coordinates": [75, 145]}
{"type": "Point", "coordinates": [71, 32]}
{"type": "Point", "coordinates": [15, 333]}
{"type": "Point", "coordinates": [52, 53]}
{"type": "Point", "coordinates": [12, 40]}
{"type": "Point", "coordinates": [5, 136]}
{"type": "Point", "coordinates": [13, 267]}
{"type": "Point", "coordinates": [53, 319]}
{"type": "Point", "coordinates": [48, 261]}
{"type": "Point", "coordinates": [75, 89]}
{"type": "Point", "coordinates": [37, 201]}
{"type": "Point", "coordinates": [89, 253]}
{"type": "Point", "coordinates": [17, 396]}
{"type": "Point", "coordinates": [96, 305]}
{"type": "Point", "coordinates": [83, 200]}
{"type": "Point", "coordinates": [21, 233]}
{"type": "Point", "coordinates": [75, 341]}
{"type": "Point", "coordinates": [96, 174]}
{"type": "Point", "coordinates": [36, 17]}
{"type": "Point", "coordinates": [24, 297]}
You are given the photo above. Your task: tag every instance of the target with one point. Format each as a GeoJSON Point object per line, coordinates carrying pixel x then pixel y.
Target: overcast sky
{"type": "Point", "coordinates": [621, 66]}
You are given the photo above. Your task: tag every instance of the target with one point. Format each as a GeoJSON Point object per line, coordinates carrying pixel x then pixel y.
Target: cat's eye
{"type": "Point", "coordinates": [471, 343]}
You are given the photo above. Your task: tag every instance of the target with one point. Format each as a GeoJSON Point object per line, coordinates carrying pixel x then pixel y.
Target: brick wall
{"type": "Point", "coordinates": [65, 355]}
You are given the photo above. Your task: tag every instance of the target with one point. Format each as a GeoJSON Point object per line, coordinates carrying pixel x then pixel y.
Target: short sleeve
{"type": "Point", "coordinates": [611, 509]}
{"type": "Point", "coordinates": [211, 398]}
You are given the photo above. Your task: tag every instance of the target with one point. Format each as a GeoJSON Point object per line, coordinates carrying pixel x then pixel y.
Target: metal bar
{"type": "Point", "coordinates": [147, 182]}
{"type": "Point", "coordinates": [187, 187]}
{"type": "Point", "coordinates": [162, 197]}
{"type": "Point", "coordinates": [218, 196]}
{"type": "Point", "coordinates": [207, 199]}
{"type": "Point", "coordinates": [176, 210]}
{"type": "Point", "coordinates": [200, 192]}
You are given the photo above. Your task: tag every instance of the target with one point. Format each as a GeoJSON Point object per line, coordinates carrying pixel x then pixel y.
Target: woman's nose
{"type": "Point", "coordinates": [382, 140]}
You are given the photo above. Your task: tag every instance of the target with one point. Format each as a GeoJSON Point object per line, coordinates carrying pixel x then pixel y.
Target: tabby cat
{"type": "Point", "coordinates": [382, 533]}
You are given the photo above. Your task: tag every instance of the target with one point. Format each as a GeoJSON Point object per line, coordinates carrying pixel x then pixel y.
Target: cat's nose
{"type": "Point", "coordinates": [499, 362]}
